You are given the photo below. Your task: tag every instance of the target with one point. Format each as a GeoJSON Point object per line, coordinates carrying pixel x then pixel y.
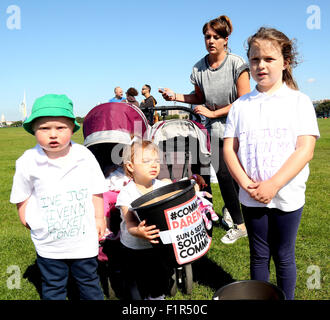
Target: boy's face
{"type": "Point", "coordinates": [54, 135]}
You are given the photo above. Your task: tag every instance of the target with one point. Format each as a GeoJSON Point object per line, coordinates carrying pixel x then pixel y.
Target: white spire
{"type": "Point", "coordinates": [23, 107]}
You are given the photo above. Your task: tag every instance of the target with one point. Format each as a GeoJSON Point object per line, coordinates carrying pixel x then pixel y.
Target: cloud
{"type": "Point", "coordinates": [311, 80]}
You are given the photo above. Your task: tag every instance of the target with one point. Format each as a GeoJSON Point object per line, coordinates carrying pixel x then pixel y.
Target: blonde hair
{"type": "Point", "coordinates": [221, 25]}
{"type": "Point", "coordinates": [287, 47]}
{"type": "Point", "coordinates": [130, 151]}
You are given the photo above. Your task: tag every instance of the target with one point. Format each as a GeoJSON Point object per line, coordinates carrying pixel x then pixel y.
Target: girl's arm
{"type": "Point", "coordinates": [265, 191]}
{"type": "Point", "coordinates": [139, 229]}
{"type": "Point", "coordinates": [21, 212]}
{"type": "Point", "coordinates": [99, 214]}
{"type": "Point", "coordinates": [230, 148]}
{"type": "Point", "coordinates": [242, 86]}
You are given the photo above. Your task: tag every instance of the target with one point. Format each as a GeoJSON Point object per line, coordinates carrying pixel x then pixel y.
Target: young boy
{"type": "Point", "coordinates": [58, 187]}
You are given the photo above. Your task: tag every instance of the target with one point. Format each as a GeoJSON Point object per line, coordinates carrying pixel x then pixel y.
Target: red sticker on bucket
{"type": "Point", "coordinates": [189, 237]}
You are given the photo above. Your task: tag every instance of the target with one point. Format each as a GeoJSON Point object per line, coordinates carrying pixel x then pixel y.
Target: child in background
{"type": "Point", "coordinates": [58, 188]}
{"type": "Point", "coordinates": [145, 273]}
{"type": "Point", "coordinates": [269, 140]}
{"type": "Point", "coordinates": [205, 206]}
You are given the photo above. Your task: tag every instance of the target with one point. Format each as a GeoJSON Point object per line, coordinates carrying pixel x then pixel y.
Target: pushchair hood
{"type": "Point", "coordinates": [114, 123]}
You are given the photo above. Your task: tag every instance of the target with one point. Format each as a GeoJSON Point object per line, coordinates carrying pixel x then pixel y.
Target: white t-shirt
{"type": "Point", "coordinates": [125, 197]}
{"type": "Point", "coordinates": [267, 127]}
{"type": "Point", "coordinates": [60, 211]}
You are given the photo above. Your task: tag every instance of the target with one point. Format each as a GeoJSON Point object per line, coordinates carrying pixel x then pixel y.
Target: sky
{"type": "Point", "coordinates": [85, 48]}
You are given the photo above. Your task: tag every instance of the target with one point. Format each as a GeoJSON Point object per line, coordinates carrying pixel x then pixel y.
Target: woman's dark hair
{"type": "Point", "coordinates": [132, 92]}
{"type": "Point", "coordinates": [286, 46]}
{"type": "Point", "coordinates": [221, 25]}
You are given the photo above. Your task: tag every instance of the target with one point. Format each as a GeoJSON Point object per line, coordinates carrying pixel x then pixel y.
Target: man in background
{"type": "Point", "coordinates": [118, 95]}
{"type": "Point", "coordinates": [148, 104]}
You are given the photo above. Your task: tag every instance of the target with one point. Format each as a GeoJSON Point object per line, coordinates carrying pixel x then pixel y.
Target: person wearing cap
{"type": "Point", "coordinates": [58, 189]}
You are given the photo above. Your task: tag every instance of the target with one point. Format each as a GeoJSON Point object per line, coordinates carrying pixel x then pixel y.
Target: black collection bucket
{"type": "Point", "coordinates": [249, 290]}
{"type": "Point", "coordinates": [183, 236]}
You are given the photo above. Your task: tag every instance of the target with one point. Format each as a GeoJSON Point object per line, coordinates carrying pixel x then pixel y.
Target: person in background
{"type": "Point", "coordinates": [219, 79]}
{"type": "Point", "coordinates": [118, 95]}
{"type": "Point", "coordinates": [131, 93]}
{"type": "Point", "coordinates": [148, 104]}
{"type": "Point", "coordinates": [269, 139]}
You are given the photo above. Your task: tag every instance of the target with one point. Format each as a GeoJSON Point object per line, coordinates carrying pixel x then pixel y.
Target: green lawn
{"type": "Point", "coordinates": [222, 264]}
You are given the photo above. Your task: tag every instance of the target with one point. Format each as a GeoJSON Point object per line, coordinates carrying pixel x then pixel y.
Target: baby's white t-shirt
{"type": "Point", "coordinates": [126, 196]}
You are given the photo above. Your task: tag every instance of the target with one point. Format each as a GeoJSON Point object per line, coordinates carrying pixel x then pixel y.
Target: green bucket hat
{"type": "Point", "coordinates": [51, 105]}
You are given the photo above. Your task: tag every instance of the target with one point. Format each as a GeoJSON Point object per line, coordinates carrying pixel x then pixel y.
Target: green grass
{"type": "Point", "coordinates": [222, 264]}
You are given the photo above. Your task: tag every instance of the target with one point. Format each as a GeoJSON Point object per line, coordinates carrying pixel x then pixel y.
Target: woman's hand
{"type": "Point", "coordinates": [204, 111]}
{"type": "Point", "coordinates": [167, 94]}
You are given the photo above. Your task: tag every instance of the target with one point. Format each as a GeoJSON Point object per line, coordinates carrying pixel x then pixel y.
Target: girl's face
{"type": "Point", "coordinates": [213, 42]}
{"type": "Point", "coordinates": [266, 65]}
{"type": "Point", "coordinates": [54, 135]}
{"type": "Point", "coordinates": [145, 166]}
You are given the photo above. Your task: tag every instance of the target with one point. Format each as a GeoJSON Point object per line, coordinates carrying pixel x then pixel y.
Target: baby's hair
{"type": "Point", "coordinates": [199, 180]}
{"type": "Point", "coordinates": [130, 151]}
{"type": "Point", "coordinates": [287, 47]}
{"type": "Point", "coordinates": [221, 25]}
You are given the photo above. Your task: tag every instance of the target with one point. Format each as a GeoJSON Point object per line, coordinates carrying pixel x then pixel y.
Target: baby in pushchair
{"type": "Point", "coordinates": [110, 126]}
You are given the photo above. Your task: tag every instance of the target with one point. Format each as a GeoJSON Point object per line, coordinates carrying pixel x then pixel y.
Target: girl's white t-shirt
{"type": "Point", "coordinates": [267, 128]}
{"type": "Point", "coordinates": [60, 210]}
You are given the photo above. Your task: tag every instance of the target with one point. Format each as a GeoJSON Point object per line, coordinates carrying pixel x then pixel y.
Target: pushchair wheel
{"type": "Point", "coordinates": [184, 278]}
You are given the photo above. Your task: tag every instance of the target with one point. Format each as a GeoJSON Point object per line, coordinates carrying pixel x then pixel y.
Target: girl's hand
{"type": "Point", "coordinates": [167, 94]}
{"type": "Point", "coordinates": [202, 110]}
{"type": "Point", "coordinates": [263, 191]}
{"type": "Point", "coordinates": [147, 232]}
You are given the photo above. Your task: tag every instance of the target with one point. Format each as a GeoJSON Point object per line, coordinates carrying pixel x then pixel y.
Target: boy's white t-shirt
{"type": "Point", "coordinates": [125, 197]}
{"type": "Point", "coordinates": [267, 128]}
{"type": "Point", "coordinates": [60, 210]}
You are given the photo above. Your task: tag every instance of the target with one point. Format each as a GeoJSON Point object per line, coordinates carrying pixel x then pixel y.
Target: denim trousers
{"type": "Point", "coordinates": [272, 233]}
{"type": "Point", "coordinates": [55, 275]}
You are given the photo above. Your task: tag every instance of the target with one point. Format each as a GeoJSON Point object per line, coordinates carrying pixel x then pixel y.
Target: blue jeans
{"type": "Point", "coordinates": [55, 274]}
{"type": "Point", "coordinates": [273, 232]}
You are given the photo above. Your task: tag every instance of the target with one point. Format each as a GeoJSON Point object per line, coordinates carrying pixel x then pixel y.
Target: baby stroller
{"type": "Point", "coordinates": [185, 147]}
{"type": "Point", "coordinates": [106, 128]}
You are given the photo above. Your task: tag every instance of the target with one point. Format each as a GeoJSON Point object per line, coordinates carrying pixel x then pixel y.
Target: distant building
{"type": "Point", "coordinates": [182, 114]}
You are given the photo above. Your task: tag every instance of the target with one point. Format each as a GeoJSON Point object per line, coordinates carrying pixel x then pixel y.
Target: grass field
{"type": "Point", "coordinates": [222, 264]}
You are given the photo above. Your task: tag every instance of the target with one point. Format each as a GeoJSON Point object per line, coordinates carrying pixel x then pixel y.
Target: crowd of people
{"type": "Point", "coordinates": [147, 104]}
{"type": "Point", "coordinates": [264, 141]}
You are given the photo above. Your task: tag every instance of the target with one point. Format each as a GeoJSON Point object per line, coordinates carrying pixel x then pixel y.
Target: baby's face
{"type": "Point", "coordinates": [54, 135]}
{"type": "Point", "coordinates": [146, 165]}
